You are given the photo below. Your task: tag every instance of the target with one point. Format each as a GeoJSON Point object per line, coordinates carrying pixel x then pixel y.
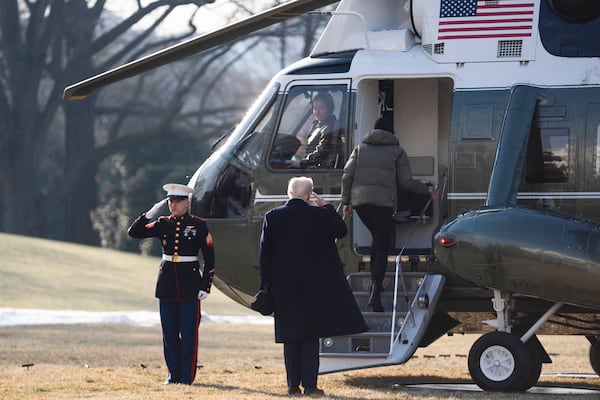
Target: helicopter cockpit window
{"type": "Point", "coordinates": [547, 155]}
{"type": "Point", "coordinates": [250, 148]}
{"type": "Point", "coordinates": [225, 189]}
{"type": "Point", "coordinates": [312, 131]}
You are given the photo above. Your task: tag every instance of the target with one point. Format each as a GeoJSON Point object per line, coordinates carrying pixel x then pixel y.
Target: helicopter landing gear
{"type": "Point", "coordinates": [499, 361]}
{"type": "Point", "coordinates": [504, 361]}
{"type": "Point", "coordinates": [595, 353]}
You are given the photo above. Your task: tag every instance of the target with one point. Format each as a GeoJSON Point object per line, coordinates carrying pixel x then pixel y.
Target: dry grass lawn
{"type": "Point", "coordinates": [120, 361]}
{"type": "Point", "coordinates": [237, 362]}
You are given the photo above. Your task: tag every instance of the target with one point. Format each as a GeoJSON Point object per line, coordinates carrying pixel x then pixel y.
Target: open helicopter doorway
{"type": "Point", "coordinates": [420, 109]}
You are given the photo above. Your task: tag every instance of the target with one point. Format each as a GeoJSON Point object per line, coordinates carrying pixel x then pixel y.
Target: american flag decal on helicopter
{"type": "Point", "coordinates": [477, 19]}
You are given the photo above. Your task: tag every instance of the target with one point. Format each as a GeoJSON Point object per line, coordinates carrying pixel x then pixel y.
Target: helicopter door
{"type": "Point", "coordinates": [420, 109]}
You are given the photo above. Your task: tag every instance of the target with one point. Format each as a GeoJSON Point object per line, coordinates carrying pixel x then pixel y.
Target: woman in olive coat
{"type": "Point", "coordinates": [377, 168]}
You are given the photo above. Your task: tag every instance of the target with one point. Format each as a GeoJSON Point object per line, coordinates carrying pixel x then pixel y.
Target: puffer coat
{"type": "Point", "coordinates": [376, 169]}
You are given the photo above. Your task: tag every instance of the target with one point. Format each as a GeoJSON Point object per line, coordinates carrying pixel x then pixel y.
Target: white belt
{"type": "Point", "coordinates": [178, 258]}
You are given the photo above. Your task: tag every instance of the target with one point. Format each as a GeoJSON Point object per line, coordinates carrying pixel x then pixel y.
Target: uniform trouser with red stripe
{"type": "Point", "coordinates": [180, 322]}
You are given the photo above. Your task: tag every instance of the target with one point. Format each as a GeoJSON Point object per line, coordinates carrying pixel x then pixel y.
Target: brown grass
{"type": "Point", "coordinates": [237, 362]}
{"type": "Point", "coordinates": [120, 361]}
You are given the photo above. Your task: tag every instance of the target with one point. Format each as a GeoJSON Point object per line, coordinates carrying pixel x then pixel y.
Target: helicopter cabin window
{"type": "Point", "coordinates": [229, 194]}
{"type": "Point", "coordinates": [312, 130]}
{"type": "Point", "coordinates": [547, 156]}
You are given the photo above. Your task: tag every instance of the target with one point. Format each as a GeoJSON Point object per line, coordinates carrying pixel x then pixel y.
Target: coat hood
{"type": "Point", "coordinates": [381, 138]}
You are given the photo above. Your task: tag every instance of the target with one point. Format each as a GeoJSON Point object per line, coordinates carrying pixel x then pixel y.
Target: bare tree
{"type": "Point", "coordinates": [51, 150]}
{"type": "Point", "coordinates": [45, 45]}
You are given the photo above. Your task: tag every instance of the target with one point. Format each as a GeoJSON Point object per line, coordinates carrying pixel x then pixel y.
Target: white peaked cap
{"type": "Point", "coordinates": [176, 189]}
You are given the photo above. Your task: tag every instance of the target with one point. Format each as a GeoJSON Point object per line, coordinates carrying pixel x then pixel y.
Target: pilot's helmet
{"type": "Point", "coordinates": [176, 191]}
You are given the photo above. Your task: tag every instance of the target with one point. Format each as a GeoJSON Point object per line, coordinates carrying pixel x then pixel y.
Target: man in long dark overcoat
{"type": "Point", "coordinates": [300, 265]}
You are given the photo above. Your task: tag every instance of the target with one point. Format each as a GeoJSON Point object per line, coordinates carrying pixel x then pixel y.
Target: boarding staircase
{"type": "Point", "coordinates": [409, 300]}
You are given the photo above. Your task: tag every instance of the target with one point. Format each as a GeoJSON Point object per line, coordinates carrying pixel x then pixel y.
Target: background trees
{"type": "Point", "coordinates": [79, 170]}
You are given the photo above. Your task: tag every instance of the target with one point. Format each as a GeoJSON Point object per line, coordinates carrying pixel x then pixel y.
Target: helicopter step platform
{"type": "Point", "coordinates": [394, 334]}
{"type": "Point", "coordinates": [361, 281]}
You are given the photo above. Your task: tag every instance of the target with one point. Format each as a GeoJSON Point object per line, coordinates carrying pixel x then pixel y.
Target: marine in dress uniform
{"type": "Point", "coordinates": [181, 285]}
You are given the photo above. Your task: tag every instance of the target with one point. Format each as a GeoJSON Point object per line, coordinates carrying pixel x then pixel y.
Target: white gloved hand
{"type": "Point", "coordinates": [151, 213]}
{"type": "Point", "coordinates": [202, 295]}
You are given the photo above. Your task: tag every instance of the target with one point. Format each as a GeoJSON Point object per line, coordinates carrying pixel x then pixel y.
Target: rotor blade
{"type": "Point", "coordinates": [176, 52]}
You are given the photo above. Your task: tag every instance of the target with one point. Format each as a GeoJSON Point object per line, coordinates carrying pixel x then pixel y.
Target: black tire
{"type": "Point", "coordinates": [595, 356]}
{"type": "Point", "coordinates": [531, 377]}
{"type": "Point", "coordinates": [500, 362]}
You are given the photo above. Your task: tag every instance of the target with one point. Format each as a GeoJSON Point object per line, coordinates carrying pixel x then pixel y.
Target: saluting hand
{"type": "Point", "coordinates": [151, 213]}
{"type": "Point", "coordinates": [319, 201]}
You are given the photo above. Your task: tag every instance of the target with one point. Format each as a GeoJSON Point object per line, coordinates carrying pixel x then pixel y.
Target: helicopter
{"type": "Point", "coordinates": [497, 103]}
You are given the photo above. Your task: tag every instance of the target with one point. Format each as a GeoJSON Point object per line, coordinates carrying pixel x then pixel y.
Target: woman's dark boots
{"type": "Point", "coordinates": [375, 297]}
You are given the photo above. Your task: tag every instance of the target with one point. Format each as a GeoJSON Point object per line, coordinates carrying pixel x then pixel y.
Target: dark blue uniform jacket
{"type": "Point", "coordinates": [184, 236]}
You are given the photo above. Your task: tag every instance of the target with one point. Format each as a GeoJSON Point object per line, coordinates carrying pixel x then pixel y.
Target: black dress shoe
{"type": "Point", "coordinates": [294, 390]}
{"type": "Point", "coordinates": [315, 392]}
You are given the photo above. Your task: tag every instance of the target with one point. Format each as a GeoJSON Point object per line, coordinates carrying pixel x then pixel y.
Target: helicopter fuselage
{"type": "Point", "coordinates": [449, 116]}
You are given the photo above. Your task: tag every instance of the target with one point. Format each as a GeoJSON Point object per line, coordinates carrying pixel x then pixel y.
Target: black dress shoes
{"type": "Point", "coordinates": [294, 390]}
{"type": "Point", "coordinates": [315, 392]}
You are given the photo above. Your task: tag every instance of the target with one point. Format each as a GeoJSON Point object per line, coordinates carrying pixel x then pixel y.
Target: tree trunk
{"type": "Point", "coordinates": [20, 199]}
{"type": "Point", "coordinates": [80, 199]}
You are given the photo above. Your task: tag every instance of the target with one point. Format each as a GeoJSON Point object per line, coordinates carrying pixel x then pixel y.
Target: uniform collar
{"type": "Point", "coordinates": [174, 218]}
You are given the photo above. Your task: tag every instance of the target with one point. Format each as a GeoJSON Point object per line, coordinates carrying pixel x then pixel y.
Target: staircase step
{"type": "Point", "coordinates": [372, 348]}
{"type": "Point", "coordinates": [382, 321]}
{"type": "Point", "coordinates": [361, 281]}
{"type": "Point", "coordinates": [349, 355]}
{"type": "Point", "coordinates": [387, 300]}
{"type": "Point", "coordinates": [363, 343]}
{"type": "Point", "coordinates": [348, 362]}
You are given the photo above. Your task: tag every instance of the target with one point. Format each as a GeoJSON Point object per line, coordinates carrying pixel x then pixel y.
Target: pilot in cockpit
{"type": "Point", "coordinates": [319, 147]}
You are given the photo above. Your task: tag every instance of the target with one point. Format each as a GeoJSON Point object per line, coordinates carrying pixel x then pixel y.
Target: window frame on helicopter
{"type": "Point", "coordinates": [295, 122]}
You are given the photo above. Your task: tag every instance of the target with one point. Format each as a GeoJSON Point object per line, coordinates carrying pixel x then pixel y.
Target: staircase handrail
{"type": "Point", "coordinates": [398, 272]}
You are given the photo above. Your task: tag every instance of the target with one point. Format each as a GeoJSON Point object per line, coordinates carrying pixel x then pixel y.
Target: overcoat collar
{"type": "Point", "coordinates": [296, 202]}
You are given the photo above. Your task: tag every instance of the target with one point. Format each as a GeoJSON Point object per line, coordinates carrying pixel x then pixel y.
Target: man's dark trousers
{"type": "Point", "coordinates": [302, 362]}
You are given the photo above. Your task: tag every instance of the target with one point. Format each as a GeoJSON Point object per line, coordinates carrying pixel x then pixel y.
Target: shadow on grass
{"type": "Point", "coordinates": [387, 383]}
{"type": "Point", "coordinates": [267, 394]}
{"type": "Point", "coordinates": [390, 382]}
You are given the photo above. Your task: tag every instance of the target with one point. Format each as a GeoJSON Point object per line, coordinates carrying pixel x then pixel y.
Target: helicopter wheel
{"type": "Point", "coordinates": [530, 377]}
{"type": "Point", "coordinates": [533, 375]}
{"type": "Point", "coordinates": [499, 361]}
{"type": "Point", "coordinates": [595, 354]}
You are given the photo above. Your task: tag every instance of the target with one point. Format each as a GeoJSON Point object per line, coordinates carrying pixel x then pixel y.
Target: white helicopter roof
{"type": "Point", "coordinates": [479, 43]}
